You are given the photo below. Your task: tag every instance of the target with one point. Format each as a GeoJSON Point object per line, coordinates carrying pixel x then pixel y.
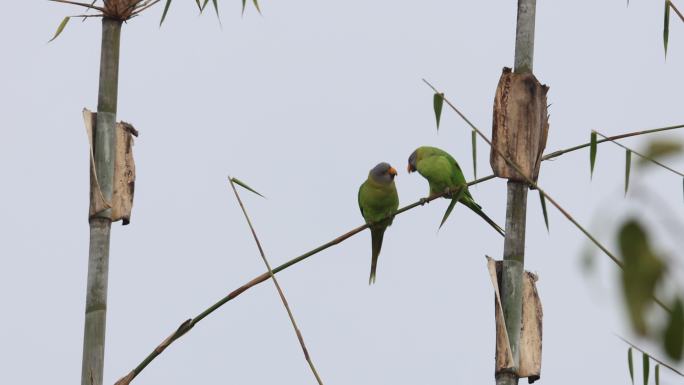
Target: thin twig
{"type": "Point", "coordinates": [277, 285]}
{"type": "Point", "coordinates": [681, 17]}
{"type": "Point", "coordinates": [642, 155]}
{"type": "Point", "coordinates": [189, 324]}
{"type": "Point", "coordinates": [79, 4]}
{"type": "Point", "coordinates": [610, 138]}
{"type": "Point", "coordinates": [532, 183]}
{"type": "Point", "coordinates": [650, 355]}
{"type": "Point", "coordinates": [144, 7]}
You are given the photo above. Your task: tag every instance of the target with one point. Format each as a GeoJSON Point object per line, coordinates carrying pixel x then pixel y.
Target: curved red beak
{"type": "Point", "coordinates": [410, 168]}
{"type": "Point", "coordinates": [392, 171]}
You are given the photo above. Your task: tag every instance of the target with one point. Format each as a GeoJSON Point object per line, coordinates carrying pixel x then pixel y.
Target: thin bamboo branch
{"type": "Point", "coordinates": [681, 17]}
{"type": "Point", "coordinates": [643, 156]}
{"type": "Point", "coordinates": [610, 138]}
{"type": "Point", "coordinates": [277, 285]}
{"type": "Point", "coordinates": [144, 7]}
{"type": "Point", "coordinates": [85, 5]}
{"type": "Point", "coordinates": [190, 323]}
{"type": "Point", "coordinates": [650, 355]}
{"type": "Point", "coordinates": [547, 196]}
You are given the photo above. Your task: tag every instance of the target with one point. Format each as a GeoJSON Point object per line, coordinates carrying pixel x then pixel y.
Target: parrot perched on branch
{"type": "Point", "coordinates": [443, 172]}
{"type": "Point", "coordinates": [378, 200]}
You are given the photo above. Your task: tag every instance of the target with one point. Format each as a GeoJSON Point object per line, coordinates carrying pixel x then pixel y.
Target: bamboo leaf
{"type": "Point", "coordinates": [543, 205]}
{"type": "Point", "coordinates": [199, 5]}
{"type": "Point", "coordinates": [452, 204]}
{"type": "Point", "coordinates": [592, 152]}
{"type": "Point", "coordinates": [642, 270]}
{"type": "Point", "coordinates": [204, 5]}
{"type": "Point", "coordinates": [60, 28]}
{"type": "Point", "coordinates": [214, 2]}
{"type": "Point", "coordinates": [244, 185]}
{"type": "Point", "coordinates": [628, 166]}
{"type": "Point", "coordinates": [256, 5]}
{"type": "Point", "coordinates": [657, 374]}
{"type": "Point", "coordinates": [647, 367]}
{"type": "Point", "coordinates": [166, 10]}
{"type": "Point", "coordinates": [437, 103]}
{"type": "Point", "coordinates": [674, 332]}
{"type": "Point", "coordinates": [666, 25]}
{"type": "Point", "coordinates": [658, 149]}
{"type": "Point", "coordinates": [244, 4]}
{"type": "Point", "coordinates": [473, 141]}
{"type": "Point", "coordinates": [630, 363]}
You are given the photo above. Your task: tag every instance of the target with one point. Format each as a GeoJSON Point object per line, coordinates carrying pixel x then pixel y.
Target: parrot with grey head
{"type": "Point", "coordinates": [378, 200]}
{"type": "Point", "coordinates": [443, 172]}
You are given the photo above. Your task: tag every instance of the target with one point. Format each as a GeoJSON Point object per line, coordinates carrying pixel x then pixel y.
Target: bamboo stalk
{"type": "Point", "coordinates": [100, 224]}
{"type": "Point", "coordinates": [300, 337]}
{"type": "Point", "coordinates": [513, 265]}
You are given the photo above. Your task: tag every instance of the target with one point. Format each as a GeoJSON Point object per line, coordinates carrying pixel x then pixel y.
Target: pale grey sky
{"type": "Point", "coordinates": [300, 103]}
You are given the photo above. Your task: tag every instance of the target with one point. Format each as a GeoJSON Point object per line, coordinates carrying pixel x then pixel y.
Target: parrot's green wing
{"type": "Point", "coordinates": [438, 170]}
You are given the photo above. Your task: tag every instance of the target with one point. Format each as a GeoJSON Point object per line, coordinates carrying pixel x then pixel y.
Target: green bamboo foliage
{"type": "Point", "coordinates": [657, 374]}
{"type": "Point", "coordinates": [592, 152]}
{"type": "Point", "coordinates": [630, 364]}
{"type": "Point", "coordinates": [628, 167]}
{"type": "Point", "coordinates": [666, 25]}
{"type": "Point", "coordinates": [647, 367]}
{"type": "Point", "coordinates": [473, 144]}
{"type": "Point", "coordinates": [673, 337]}
{"type": "Point", "coordinates": [542, 199]}
{"type": "Point", "coordinates": [437, 103]}
{"type": "Point", "coordinates": [61, 27]}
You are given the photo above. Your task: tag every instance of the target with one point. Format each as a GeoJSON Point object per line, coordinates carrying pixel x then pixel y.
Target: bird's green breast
{"type": "Point", "coordinates": [377, 200]}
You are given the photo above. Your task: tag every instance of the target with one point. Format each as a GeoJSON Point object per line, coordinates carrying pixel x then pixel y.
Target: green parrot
{"type": "Point", "coordinates": [378, 199]}
{"type": "Point", "coordinates": [443, 172]}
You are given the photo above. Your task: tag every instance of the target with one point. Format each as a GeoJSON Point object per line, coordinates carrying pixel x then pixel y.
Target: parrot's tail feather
{"type": "Point", "coordinates": [376, 245]}
{"type": "Point", "coordinates": [478, 210]}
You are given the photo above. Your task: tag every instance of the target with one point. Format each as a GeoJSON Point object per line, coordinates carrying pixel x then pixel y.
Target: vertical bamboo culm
{"type": "Point", "coordinates": [516, 208]}
{"type": "Point", "coordinates": [100, 224]}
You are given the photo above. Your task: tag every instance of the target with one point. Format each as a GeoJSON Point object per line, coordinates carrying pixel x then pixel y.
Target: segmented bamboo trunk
{"type": "Point", "coordinates": [100, 224]}
{"type": "Point", "coordinates": [516, 207]}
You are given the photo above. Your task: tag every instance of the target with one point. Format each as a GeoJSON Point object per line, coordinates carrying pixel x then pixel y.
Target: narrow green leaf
{"type": "Point", "coordinates": [437, 103]}
{"type": "Point", "coordinates": [628, 166]}
{"type": "Point", "coordinates": [241, 183]}
{"type": "Point", "coordinates": [657, 374]}
{"type": "Point", "coordinates": [244, 4]}
{"type": "Point", "coordinates": [674, 332]}
{"type": "Point", "coordinates": [473, 141]}
{"type": "Point", "coordinates": [592, 152]}
{"type": "Point", "coordinates": [199, 5]}
{"type": "Point", "coordinates": [660, 148]}
{"type": "Point", "coordinates": [204, 5]}
{"type": "Point", "coordinates": [543, 205]}
{"type": "Point", "coordinates": [166, 10]}
{"type": "Point", "coordinates": [215, 3]}
{"type": "Point", "coordinates": [452, 204]}
{"type": "Point", "coordinates": [60, 28]}
{"type": "Point", "coordinates": [666, 25]}
{"type": "Point", "coordinates": [647, 367]}
{"type": "Point", "coordinates": [630, 363]}
{"type": "Point", "coordinates": [256, 5]}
